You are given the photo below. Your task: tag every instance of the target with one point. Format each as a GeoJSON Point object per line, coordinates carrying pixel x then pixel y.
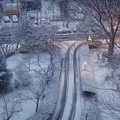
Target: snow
{"type": "Point", "coordinates": [69, 98]}
{"type": "Point", "coordinates": [62, 24]}
{"type": "Point", "coordinates": [48, 104]}
{"type": "Point", "coordinates": [96, 72]}
{"type": "Point", "coordinates": [107, 94]}
{"type": "Point", "coordinates": [28, 106]}
{"type": "Point", "coordinates": [65, 29]}
{"type": "Point", "coordinates": [68, 105]}
{"type": "Point", "coordinates": [28, 109]}
{"type": "Point", "coordinates": [13, 61]}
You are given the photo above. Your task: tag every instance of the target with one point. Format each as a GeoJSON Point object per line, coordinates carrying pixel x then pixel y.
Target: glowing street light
{"type": "Point", "coordinates": [85, 65]}
{"type": "Point", "coordinates": [23, 42]}
{"type": "Point", "coordinates": [89, 38]}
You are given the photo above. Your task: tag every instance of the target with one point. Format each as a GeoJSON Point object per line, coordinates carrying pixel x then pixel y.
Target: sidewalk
{"type": "Point", "coordinates": [88, 78]}
{"type": "Point", "coordinates": [89, 84]}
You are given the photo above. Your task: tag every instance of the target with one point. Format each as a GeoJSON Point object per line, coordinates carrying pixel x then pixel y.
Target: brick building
{"type": "Point", "coordinates": [11, 7]}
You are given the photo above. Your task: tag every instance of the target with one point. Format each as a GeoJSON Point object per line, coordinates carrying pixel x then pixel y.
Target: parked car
{"type": "Point", "coordinates": [14, 18]}
{"type": "Point", "coordinates": [64, 30]}
{"type": "Point", "coordinates": [6, 19]}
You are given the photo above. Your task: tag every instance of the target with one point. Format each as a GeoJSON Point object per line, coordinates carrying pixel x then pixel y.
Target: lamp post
{"type": "Point", "coordinates": [85, 65]}
{"type": "Point", "coordinates": [23, 43]}
{"type": "Point", "coordinates": [89, 39]}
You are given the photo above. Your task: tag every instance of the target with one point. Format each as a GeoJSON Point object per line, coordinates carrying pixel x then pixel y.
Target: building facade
{"type": "Point", "coordinates": [11, 7]}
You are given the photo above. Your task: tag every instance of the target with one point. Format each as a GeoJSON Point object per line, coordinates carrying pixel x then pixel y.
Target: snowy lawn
{"type": "Point", "coordinates": [27, 83]}
{"type": "Point", "coordinates": [108, 86]}
{"type": "Point", "coordinates": [105, 103]}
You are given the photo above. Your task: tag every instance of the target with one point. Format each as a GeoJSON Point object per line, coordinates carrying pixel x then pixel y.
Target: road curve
{"type": "Point", "coordinates": [70, 109]}
{"type": "Point", "coordinates": [63, 90]}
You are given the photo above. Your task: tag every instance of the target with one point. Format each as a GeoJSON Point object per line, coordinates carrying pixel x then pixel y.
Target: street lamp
{"type": "Point", "coordinates": [89, 39]}
{"type": "Point", "coordinates": [85, 65]}
{"type": "Point", "coordinates": [23, 42]}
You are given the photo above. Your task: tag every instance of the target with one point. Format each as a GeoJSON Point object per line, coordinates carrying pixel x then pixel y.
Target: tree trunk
{"type": "Point", "coordinates": [37, 104]}
{"type": "Point", "coordinates": [9, 118]}
{"type": "Point", "coordinates": [111, 46]}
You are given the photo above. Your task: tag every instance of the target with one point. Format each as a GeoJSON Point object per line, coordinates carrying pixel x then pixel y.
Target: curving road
{"type": "Point", "coordinates": [69, 104]}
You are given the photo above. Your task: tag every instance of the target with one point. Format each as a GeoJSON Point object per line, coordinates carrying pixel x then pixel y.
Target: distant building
{"type": "Point", "coordinates": [11, 7]}
{"type": "Point", "coordinates": [29, 4]}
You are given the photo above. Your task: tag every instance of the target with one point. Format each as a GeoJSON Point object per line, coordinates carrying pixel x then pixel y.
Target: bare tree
{"type": "Point", "coordinates": [39, 37]}
{"type": "Point", "coordinates": [108, 90]}
{"type": "Point", "coordinates": [23, 76]}
{"type": "Point", "coordinates": [109, 104]}
{"type": "Point", "coordinates": [31, 37]}
{"type": "Point", "coordinates": [22, 32]}
{"type": "Point", "coordinates": [105, 15]}
{"type": "Point", "coordinates": [37, 90]}
{"type": "Point", "coordinates": [11, 105]}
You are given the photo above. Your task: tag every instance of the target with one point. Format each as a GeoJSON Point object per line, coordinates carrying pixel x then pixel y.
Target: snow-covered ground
{"type": "Point", "coordinates": [107, 88]}
{"type": "Point", "coordinates": [23, 66]}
